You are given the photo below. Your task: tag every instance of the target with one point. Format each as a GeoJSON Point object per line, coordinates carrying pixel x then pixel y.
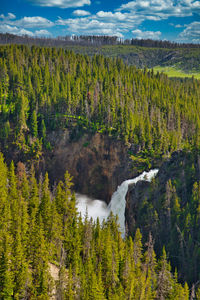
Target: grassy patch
{"type": "Point", "coordinates": [173, 72]}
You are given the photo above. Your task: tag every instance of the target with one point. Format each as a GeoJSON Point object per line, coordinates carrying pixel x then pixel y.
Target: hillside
{"type": "Point", "coordinates": [169, 208]}
{"type": "Point", "coordinates": [184, 58]}
{"type": "Point", "coordinates": [48, 252]}
{"type": "Point", "coordinates": [178, 58]}
{"type": "Point", "coordinates": [44, 90]}
{"type": "Point", "coordinates": [105, 121]}
{"type": "Point", "coordinates": [49, 88]}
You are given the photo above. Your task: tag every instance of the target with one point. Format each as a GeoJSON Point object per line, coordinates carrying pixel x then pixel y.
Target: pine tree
{"type": "Point", "coordinates": [164, 278]}
{"type": "Point", "coordinates": [3, 188]}
{"type": "Point", "coordinates": [34, 124]}
{"type": "Point", "coordinates": [39, 262]}
{"type": "Point", "coordinates": [6, 274]}
{"type": "Point", "coordinates": [69, 294]}
{"type": "Point", "coordinates": [43, 130]}
{"type": "Point", "coordinates": [21, 277]}
{"type": "Point", "coordinates": [45, 207]}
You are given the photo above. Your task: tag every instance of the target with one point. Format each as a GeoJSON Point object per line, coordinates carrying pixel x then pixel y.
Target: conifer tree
{"type": "Point", "coordinates": [34, 124]}
{"type": "Point", "coordinates": [45, 206]}
{"type": "Point", "coordinates": [164, 278]}
{"type": "Point", "coordinates": [6, 274]}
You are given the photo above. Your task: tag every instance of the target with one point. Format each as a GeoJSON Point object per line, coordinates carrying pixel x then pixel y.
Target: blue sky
{"type": "Point", "coordinates": [175, 20]}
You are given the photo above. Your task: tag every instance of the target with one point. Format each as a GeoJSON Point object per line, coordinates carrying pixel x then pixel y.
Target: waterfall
{"type": "Point", "coordinates": [98, 208]}
{"type": "Point", "coordinates": [95, 208]}
{"type": "Point", "coordinates": [118, 201]}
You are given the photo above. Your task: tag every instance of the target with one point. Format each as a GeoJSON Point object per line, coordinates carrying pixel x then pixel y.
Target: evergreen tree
{"type": "Point", "coordinates": [6, 274]}
{"type": "Point", "coordinates": [34, 124]}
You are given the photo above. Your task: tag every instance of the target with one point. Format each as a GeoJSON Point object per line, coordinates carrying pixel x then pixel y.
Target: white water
{"type": "Point", "coordinates": [94, 208]}
{"type": "Point", "coordinates": [118, 201]}
{"type": "Point", "coordinates": [98, 208]}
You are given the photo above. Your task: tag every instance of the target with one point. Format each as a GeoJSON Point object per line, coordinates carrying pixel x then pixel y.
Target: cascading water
{"type": "Point", "coordinates": [99, 209]}
{"type": "Point", "coordinates": [95, 208]}
{"type": "Point", "coordinates": [118, 201]}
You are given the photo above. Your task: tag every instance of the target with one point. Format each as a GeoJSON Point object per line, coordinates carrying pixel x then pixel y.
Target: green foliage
{"type": "Point", "coordinates": [97, 94]}
{"type": "Point", "coordinates": [34, 125]}
{"type": "Point", "coordinates": [48, 89]}
{"type": "Point", "coordinates": [41, 230]}
{"type": "Point", "coordinates": [140, 163]}
{"type": "Point", "coordinates": [186, 60]}
{"type": "Point", "coordinates": [169, 208]}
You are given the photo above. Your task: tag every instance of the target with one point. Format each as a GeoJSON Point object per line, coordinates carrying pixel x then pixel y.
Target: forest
{"type": "Point", "coordinates": [40, 228]}
{"type": "Point", "coordinates": [140, 53]}
{"type": "Point", "coordinates": [169, 208]}
{"type": "Point", "coordinates": [45, 90]}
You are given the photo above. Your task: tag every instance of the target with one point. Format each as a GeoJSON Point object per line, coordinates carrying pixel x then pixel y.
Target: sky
{"type": "Point", "coordinates": [174, 20]}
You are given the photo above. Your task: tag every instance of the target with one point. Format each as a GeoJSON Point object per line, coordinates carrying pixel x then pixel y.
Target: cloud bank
{"type": "Point", "coordinates": [191, 33]}
{"type": "Point", "coordinates": [61, 3]}
{"type": "Point", "coordinates": [154, 35]}
{"type": "Point", "coordinates": [81, 13]}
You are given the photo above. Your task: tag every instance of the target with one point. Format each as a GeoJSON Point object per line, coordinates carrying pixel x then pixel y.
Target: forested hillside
{"type": "Point", "coordinates": [185, 59]}
{"type": "Point", "coordinates": [53, 92]}
{"type": "Point", "coordinates": [44, 89]}
{"type": "Point", "coordinates": [169, 208]}
{"type": "Point", "coordinates": [140, 53]}
{"type": "Point", "coordinates": [40, 231]}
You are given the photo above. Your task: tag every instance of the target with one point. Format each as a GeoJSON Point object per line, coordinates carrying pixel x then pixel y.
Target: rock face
{"type": "Point", "coordinates": [98, 163]}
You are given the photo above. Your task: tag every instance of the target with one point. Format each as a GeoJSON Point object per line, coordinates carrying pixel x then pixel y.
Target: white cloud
{"type": "Point", "coordinates": [196, 41]}
{"type": "Point", "coordinates": [19, 27]}
{"type": "Point", "coordinates": [81, 13]}
{"type": "Point", "coordinates": [103, 23]}
{"type": "Point", "coordinates": [32, 22]}
{"type": "Point", "coordinates": [112, 16]}
{"type": "Point", "coordinates": [42, 32]}
{"type": "Point", "coordinates": [152, 18]}
{"type": "Point", "coordinates": [25, 32]}
{"type": "Point", "coordinates": [191, 33]}
{"type": "Point", "coordinates": [128, 17]}
{"type": "Point", "coordinates": [162, 9]}
{"type": "Point", "coordinates": [154, 35]}
{"type": "Point", "coordinates": [21, 31]}
{"type": "Point", "coordinates": [147, 6]}
{"type": "Point", "coordinates": [90, 26]}
{"type": "Point", "coordinates": [61, 3]}
{"type": "Point", "coordinates": [14, 30]}
{"type": "Point", "coordinates": [10, 16]}
{"type": "Point", "coordinates": [26, 22]}
{"type": "Point", "coordinates": [178, 25]}
{"type": "Point", "coordinates": [10, 25]}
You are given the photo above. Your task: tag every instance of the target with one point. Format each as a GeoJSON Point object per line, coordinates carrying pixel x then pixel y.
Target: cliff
{"type": "Point", "coordinates": [98, 163]}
